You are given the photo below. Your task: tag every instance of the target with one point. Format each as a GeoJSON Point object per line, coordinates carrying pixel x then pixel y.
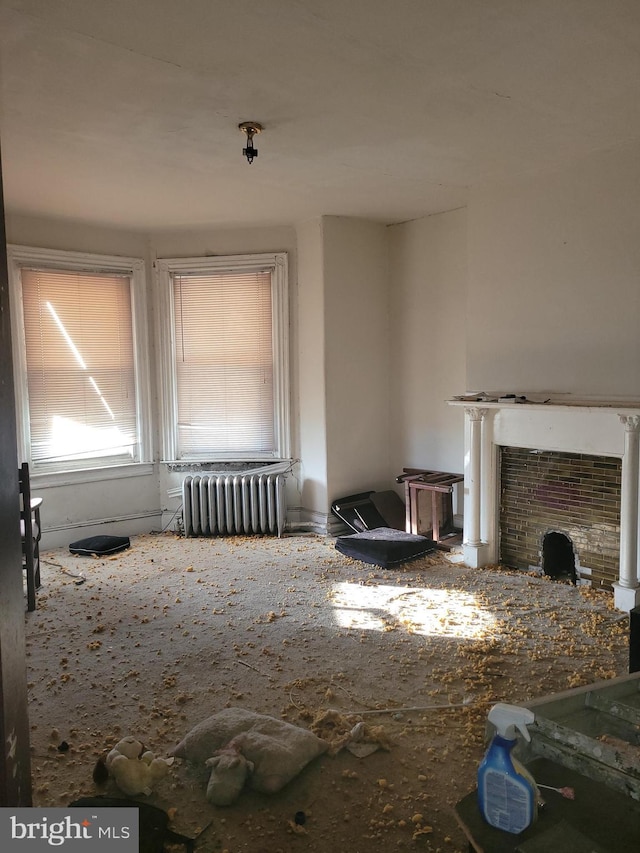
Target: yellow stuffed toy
{"type": "Point", "coordinates": [135, 769]}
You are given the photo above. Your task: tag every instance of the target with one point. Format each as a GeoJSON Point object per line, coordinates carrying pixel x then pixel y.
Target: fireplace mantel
{"type": "Point", "coordinates": [597, 427]}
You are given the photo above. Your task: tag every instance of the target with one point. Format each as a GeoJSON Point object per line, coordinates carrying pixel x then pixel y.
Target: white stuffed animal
{"type": "Point", "coordinates": [275, 750]}
{"type": "Point", "coordinates": [229, 771]}
{"type": "Point", "coordinates": [134, 769]}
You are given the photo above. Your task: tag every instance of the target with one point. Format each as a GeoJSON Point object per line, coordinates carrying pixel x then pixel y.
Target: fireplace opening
{"type": "Point", "coordinates": [558, 557]}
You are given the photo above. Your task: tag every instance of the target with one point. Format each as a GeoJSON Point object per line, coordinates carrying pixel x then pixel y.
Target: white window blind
{"type": "Point", "coordinates": [224, 363]}
{"type": "Point", "coordinates": [80, 366]}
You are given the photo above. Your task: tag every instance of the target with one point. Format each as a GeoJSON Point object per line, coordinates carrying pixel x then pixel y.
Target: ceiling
{"type": "Point", "coordinates": [125, 112]}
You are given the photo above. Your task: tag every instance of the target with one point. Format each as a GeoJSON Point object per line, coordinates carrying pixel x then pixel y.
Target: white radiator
{"type": "Point", "coordinates": [221, 505]}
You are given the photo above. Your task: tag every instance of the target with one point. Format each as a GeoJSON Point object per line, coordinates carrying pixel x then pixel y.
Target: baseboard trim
{"type": "Point", "coordinates": [125, 525]}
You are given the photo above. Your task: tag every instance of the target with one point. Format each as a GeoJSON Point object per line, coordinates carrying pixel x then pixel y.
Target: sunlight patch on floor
{"type": "Point", "coordinates": [429, 612]}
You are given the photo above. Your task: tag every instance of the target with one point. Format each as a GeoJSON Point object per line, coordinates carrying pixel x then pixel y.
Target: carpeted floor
{"type": "Point", "coordinates": [157, 638]}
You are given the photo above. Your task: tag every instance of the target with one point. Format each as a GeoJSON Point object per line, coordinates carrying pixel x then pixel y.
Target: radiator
{"type": "Point", "coordinates": [221, 505]}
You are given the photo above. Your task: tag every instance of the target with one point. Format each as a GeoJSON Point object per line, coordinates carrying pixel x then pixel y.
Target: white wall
{"type": "Point", "coordinates": [73, 236]}
{"type": "Point", "coordinates": [356, 355]}
{"type": "Point", "coordinates": [224, 241]}
{"type": "Point", "coordinates": [427, 292]}
{"type": "Point", "coordinates": [312, 373]}
{"type": "Point", "coordinates": [554, 275]}
{"type": "Point", "coordinates": [117, 503]}
{"type": "Point", "coordinates": [343, 361]}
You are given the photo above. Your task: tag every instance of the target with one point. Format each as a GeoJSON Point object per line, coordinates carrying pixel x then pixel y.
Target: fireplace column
{"type": "Point", "coordinates": [626, 589]}
{"type": "Point", "coordinates": [473, 547]}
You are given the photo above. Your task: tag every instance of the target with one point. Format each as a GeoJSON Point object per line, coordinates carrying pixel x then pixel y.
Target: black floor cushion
{"type": "Point", "coordinates": [384, 546]}
{"type": "Point", "coordinates": [100, 545]}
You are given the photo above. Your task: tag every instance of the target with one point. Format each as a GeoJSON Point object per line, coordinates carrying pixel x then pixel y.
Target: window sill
{"type": "Point", "coordinates": [92, 475]}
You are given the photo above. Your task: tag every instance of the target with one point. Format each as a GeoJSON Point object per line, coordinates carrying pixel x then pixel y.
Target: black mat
{"type": "Point", "coordinates": [385, 546]}
{"type": "Point", "coordinates": [100, 545]}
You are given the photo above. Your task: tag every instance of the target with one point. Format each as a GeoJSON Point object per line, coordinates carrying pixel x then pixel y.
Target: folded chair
{"type": "Point", "coordinates": [30, 531]}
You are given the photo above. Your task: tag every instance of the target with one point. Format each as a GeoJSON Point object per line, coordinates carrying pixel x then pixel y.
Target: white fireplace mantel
{"type": "Point", "coordinates": [599, 428]}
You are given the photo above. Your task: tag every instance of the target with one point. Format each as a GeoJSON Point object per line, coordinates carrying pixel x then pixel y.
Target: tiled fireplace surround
{"type": "Point", "coordinates": [599, 429]}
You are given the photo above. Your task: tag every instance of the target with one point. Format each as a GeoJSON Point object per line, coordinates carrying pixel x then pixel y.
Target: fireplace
{"type": "Point", "coordinates": [560, 513]}
{"type": "Point", "coordinates": [604, 434]}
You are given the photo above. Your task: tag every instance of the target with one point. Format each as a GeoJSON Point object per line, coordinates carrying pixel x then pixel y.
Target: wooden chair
{"type": "Point", "coordinates": [31, 532]}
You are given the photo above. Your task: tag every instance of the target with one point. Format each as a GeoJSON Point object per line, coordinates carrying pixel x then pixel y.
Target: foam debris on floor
{"type": "Point", "coordinates": [161, 636]}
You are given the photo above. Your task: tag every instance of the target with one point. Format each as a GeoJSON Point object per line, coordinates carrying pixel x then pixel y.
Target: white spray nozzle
{"type": "Point", "coordinates": [508, 718]}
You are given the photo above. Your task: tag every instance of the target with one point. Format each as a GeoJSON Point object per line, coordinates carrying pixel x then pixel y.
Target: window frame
{"type": "Point", "coordinates": [61, 260]}
{"type": "Point", "coordinates": [165, 268]}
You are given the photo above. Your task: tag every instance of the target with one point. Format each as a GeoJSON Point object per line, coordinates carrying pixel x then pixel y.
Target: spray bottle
{"type": "Point", "coordinates": [507, 794]}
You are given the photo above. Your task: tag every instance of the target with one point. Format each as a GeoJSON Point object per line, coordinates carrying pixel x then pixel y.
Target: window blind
{"type": "Point", "coordinates": [224, 363]}
{"type": "Point", "coordinates": [80, 365]}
